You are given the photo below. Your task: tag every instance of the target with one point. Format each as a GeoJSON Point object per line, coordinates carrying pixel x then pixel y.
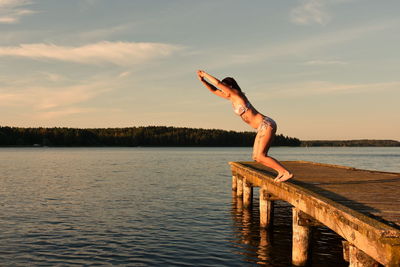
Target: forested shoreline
{"type": "Point", "coordinates": [351, 143]}
{"type": "Point", "coordinates": [132, 137]}
{"type": "Point", "coordinates": [157, 136]}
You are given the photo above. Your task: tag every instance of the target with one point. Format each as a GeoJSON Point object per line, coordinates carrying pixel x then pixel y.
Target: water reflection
{"type": "Point", "coordinates": [272, 247]}
{"type": "Point", "coordinates": [255, 242]}
{"type": "Point", "coordinates": [264, 247]}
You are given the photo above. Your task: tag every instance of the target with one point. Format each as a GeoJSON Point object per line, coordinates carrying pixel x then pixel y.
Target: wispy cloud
{"type": "Point", "coordinates": [327, 87]}
{"type": "Point", "coordinates": [119, 53]}
{"type": "Point", "coordinates": [124, 74]}
{"type": "Point", "coordinates": [295, 47]}
{"type": "Point", "coordinates": [46, 115]}
{"type": "Point", "coordinates": [52, 77]}
{"type": "Point", "coordinates": [66, 96]}
{"type": "Point", "coordinates": [11, 11]}
{"type": "Point", "coordinates": [319, 62]}
{"type": "Point", "coordinates": [91, 2]}
{"type": "Point", "coordinates": [33, 98]}
{"type": "Point", "coordinates": [310, 11]}
{"type": "Point", "coordinates": [104, 33]}
{"type": "Point", "coordinates": [8, 98]}
{"type": "Point", "coordinates": [40, 98]}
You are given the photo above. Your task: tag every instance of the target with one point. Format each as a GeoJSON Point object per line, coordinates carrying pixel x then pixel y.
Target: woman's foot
{"type": "Point", "coordinates": [283, 177]}
{"type": "Point", "coordinates": [278, 177]}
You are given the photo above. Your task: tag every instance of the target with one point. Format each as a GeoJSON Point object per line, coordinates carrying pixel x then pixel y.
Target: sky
{"type": "Point", "coordinates": [323, 69]}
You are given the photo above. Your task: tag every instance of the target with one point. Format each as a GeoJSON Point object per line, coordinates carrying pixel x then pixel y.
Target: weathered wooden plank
{"type": "Point", "coordinates": [379, 240]}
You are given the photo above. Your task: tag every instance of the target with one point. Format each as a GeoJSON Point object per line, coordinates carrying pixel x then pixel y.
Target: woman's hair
{"type": "Point", "coordinates": [232, 83]}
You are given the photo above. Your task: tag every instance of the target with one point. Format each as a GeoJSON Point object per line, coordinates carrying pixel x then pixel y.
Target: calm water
{"type": "Point", "coordinates": [150, 207]}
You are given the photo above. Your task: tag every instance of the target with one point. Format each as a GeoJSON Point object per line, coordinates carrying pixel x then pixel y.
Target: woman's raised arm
{"type": "Point", "coordinates": [214, 81]}
{"type": "Point", "coordinates": [211, 87]}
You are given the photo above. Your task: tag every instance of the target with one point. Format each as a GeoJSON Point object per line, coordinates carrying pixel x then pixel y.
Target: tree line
{"type": "Point", "coordinates": [132, 137]}
{"type": "Point", "coordinates": [352, 143]}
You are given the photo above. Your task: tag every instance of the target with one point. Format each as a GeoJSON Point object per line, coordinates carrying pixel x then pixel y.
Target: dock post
{"type": "Point", "coordinates": [266, 209]}
{"type": "Point", "coordinates": [247, 194]}
{"type": "Point", "coordinates": [300, 241]}
{"type": "Point", "coordinates": [239, 192]}
{"type": "Point", "coordinates": [234, 183]}
{"type": "Point", "coordinates": [356, 257]}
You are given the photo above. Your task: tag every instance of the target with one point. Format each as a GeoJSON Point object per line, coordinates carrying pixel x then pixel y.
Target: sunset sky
{"type": "Point", "coordinates": [323, 69]}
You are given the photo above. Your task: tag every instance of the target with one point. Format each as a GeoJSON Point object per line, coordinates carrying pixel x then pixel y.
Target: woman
{"type": "Point", "coordinates": [266, 127]}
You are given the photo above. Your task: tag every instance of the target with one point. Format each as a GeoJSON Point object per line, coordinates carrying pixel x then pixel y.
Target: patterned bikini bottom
{"type": "Point", "coordinates": [267, 122]}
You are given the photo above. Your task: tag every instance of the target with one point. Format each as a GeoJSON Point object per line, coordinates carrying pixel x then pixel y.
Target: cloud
{"type": "Point", "coordinates": [45, 98]}
{"type": "Point", "coordinates": [7, 98]}
{"type": "Point", "coordinates": [325, 87]}
{"type": "Point", "coordinates": [324, 62]}
{"type": "Point", "coordinates": [103, 33]}
{"type": "Point", "coordinates": [34, 98]}
{"type": "Point", "coordinates": [53, 77]}
{"type": "Point", "coordinates": [65, 96]}
{"type": "Point", "coordinates": [11, 11]}
{"type": "Point", "coordinates": [118, 53]}
{"type": "Point", "coordinates": [46, 115]}
{"type": "Point", "coordinates": [296, 47]}
{"type": "Point", "coordinates": [309, 12]}
{"type": "Point", "coordinates": [92, 2]}
{"type": "Point", "coordinates": [124, 74]}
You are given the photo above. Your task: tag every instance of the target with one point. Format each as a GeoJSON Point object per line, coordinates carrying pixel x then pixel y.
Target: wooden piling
{"type": "Point", "coordinates": [266, 208]}
{"type": "Point", "coordinates": [359, 259]}
{"type": "Point", "coordinates": [239, 191]}
{"type": "Point", "coordinates": [234, 183]}
{"type": "Point", "coordinates": [247, 194]}
{"type": "Point", "coordinates": [356, 257]}
{"type": "Point", "coordinates": [300, 241]}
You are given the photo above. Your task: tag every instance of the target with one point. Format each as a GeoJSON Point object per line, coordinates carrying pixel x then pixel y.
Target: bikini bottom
{"type": "Point", "coordinates": [267, 122]}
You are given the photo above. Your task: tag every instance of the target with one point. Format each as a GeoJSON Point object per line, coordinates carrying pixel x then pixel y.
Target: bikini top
{"type": "Point", "coordinates": [240, 109]}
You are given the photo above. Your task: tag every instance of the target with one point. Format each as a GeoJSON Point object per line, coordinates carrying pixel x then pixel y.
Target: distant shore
{"type": "Point", "coordinates": [158, 136]}
{"type": "Point", "coordinates": [149, 136]}
{"type": "Point", "coordinates": [351, 143]}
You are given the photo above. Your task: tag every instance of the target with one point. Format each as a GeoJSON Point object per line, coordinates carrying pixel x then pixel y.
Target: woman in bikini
{"type": "Point", "coordinates": [266, 127]}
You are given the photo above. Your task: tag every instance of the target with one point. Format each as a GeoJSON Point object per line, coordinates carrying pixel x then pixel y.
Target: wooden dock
{"type": "Point", "coordinates": [361, 206]}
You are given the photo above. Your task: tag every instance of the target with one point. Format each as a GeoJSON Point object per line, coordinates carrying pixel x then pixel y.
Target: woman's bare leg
{"type": "Point", "coordinates": [262, 143]}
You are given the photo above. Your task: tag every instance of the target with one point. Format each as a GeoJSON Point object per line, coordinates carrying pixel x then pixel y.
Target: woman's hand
{"type": "Point", "coordinates": [200, 75]}
{"type": "Point", "coordinates": [203, 76]}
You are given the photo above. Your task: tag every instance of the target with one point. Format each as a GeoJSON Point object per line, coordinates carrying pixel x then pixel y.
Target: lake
{"type": "Point", "coordinates": [151, 207]}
